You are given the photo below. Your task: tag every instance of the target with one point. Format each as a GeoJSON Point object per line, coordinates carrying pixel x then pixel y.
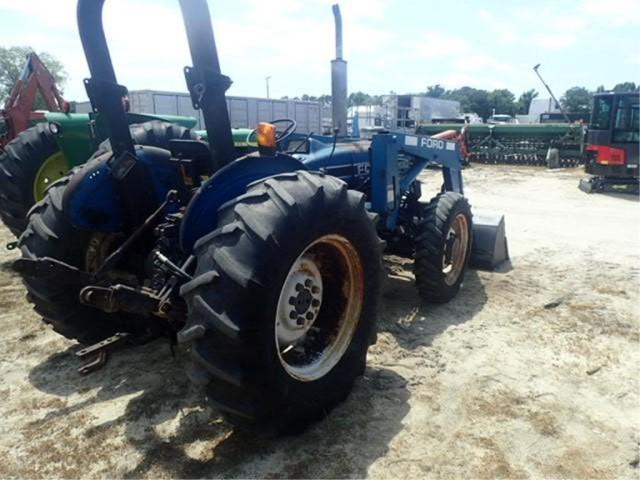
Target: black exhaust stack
{"type": "Point", "coordinates": [339, 80]}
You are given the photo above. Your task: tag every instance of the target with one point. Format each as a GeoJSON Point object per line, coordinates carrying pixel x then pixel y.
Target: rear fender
{"type": "Point", "coordinates": [228, 183]}
{"type": "Point", "coordinates": [91, 199]}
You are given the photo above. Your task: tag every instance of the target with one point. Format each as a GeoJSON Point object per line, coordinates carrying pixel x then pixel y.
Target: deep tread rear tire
{"type": "Point", "coordinates": [430, 240]}
{"type": "Point", "coordinates": [155, 133]}
{"type": "Point", "coordinates": [233, 296]}
{"type": "Point", "coordinates": [49, 234]}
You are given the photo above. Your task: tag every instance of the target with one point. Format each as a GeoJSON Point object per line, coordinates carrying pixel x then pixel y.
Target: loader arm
{"type": "Point", "coordinates": [18, 110]}
{"type": "Point", "coordinates": [388, 186]}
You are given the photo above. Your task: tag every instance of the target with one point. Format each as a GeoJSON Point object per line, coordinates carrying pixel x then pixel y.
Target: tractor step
{"type": "Point", "coordinates": [101, 351]}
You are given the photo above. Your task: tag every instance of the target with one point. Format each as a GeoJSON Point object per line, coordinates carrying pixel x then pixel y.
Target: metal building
{"type": "Point", "coordinates": [244, 112]}
{"type": "Point", "coordinates": [405, 112]}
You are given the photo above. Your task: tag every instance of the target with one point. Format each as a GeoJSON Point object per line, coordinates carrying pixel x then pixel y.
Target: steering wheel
{"type": "Point", "coordinates": [281, 135]}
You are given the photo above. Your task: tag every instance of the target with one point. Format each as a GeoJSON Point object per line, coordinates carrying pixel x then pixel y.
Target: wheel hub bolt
{"type": "Point", "coordinates": [315, 289]}
{"type": "Point", "coordinates": [300, 321]}
{"type": "Point", "coordinates": [308, 283]}
{"type": "Point", "coordinates": [315, 302]}
{"type": "Point", "coordinates": [309, 315]}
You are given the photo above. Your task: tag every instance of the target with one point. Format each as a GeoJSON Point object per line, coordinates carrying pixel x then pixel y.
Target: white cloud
{"type": "Point", "coordinates": [555, 40]}
{"type": "Point", "coordinates": [437, 44]}
{"type": "Point", "coordinates": [612, 12]}
{"type": "Point", "coordinates": [293, 42]}
{"type": "Point", "coordinates": [479, 62]}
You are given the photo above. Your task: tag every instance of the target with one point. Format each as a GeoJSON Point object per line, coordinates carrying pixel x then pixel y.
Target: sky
{"type": "Point", "coordinates": [399, 45]}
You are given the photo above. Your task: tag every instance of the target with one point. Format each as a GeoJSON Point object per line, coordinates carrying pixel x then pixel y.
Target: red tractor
{"type": "Point", "coordinates": [612, 143]}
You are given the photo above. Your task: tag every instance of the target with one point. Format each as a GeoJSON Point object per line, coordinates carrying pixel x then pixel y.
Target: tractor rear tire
{"type": "Point", "coordinates": [49, 234]}
{"type": "Point", "coordinates": [442, 247]}
{"type": "Point", "coordinates": [248, 354]}
{"type": "Point", "coordinates": [19, 166]}
{"type": "Point", "coordinates": [24, 156]}
{"type": "Point", "coordinates": [155, 133]}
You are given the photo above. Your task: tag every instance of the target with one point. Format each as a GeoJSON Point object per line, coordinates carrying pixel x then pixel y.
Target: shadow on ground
{"type": "Point", "coordinates": [198, 442]}
{"type": "Point", "coordinates": [415, 324]}
{"type": "Point", "coordinates": [630, 197]}
{"type": "Point", "coordinates": [176, 434]}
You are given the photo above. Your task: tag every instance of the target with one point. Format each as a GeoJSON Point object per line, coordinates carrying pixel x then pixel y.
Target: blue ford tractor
{"type": "Point", "coordinates": [267, 267]}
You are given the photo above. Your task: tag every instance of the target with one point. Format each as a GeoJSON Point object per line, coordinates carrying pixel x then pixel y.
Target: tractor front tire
{"type": "Point", "coordinates": [442, 247]}
{"type": "Point", "coordinates": [283, 303]}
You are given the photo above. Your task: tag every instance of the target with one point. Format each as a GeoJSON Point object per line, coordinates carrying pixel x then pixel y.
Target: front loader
{"type": "Point", "coordinates": [267, 267]}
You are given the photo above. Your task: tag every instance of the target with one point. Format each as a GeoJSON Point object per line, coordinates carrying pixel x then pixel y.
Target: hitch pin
{"type": "Point", "coordinates": [161, 261]}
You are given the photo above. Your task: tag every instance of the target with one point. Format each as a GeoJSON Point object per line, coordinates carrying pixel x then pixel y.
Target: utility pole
{"type": "Point", "coordinates": [266, 79]}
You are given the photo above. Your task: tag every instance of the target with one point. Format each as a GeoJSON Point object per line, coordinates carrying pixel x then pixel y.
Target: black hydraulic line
{"type": "Point", "coordinates": [558, 104]}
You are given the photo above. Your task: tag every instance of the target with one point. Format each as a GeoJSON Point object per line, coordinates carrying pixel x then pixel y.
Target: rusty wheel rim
{"type": "Point", "coordinates": [456, 246]}
{"type": "Point", "coordinates": [319, 308]}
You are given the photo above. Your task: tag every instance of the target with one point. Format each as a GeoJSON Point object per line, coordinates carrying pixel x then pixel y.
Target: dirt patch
{"type": "Point", "coordinates": [530, 372]}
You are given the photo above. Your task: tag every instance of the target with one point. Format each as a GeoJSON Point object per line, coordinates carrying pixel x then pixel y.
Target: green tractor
{"type": "Point", "coordinates": [39, 147]}
{"type": "Point", "coordinates": [47, 151]}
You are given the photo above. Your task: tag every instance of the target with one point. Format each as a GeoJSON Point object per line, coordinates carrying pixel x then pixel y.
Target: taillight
{"type": "Point", "coordinates": [606, 155]}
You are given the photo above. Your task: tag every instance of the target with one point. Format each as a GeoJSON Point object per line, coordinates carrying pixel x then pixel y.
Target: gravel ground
{"type": "Point", "coordinates": [530, 372]}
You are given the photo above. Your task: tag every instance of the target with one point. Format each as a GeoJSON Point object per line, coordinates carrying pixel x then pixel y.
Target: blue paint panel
{"type": "Point", "coordinates": [92, 199]}
{"type": "Point", "coordinates": [92, 203]}
{"type": "Point", "coordinates": [349, 161]}
{"type": "Point", "coordinates": [226, 184]}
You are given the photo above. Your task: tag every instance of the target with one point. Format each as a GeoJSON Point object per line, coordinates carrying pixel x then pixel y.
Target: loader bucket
{"type": "Point", "coordinates": [489, 241]}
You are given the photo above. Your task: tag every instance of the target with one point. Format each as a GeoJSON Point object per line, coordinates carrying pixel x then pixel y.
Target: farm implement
{"type": "Point", "coordinates": [553, 145]}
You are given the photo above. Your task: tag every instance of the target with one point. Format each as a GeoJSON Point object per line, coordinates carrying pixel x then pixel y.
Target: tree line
{"type": "Point", "coordinates": [485, 102]}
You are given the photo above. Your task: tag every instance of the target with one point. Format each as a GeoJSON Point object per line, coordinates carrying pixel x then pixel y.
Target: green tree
{"type": "Point", "coordinates": [472, 100]}
{"type": "Point", "coordinates": [12, 61]}
{"type": "Point", "coordinates": [358, 98]}
{"type": "Point", "coordinates": [601, 89]}
{"type": "Point", "coordinates": [503, 101]}
{"type": "Point", "coordinates": [435, 91]}
{"type": "Point", "coordinates": [626, 87]}
{"type": "Point", "coordinates": [524, 102]}
{"type": "Point", "coordinates": [577, 100]}
{"type": "Point", "coordinates": [325, 99]}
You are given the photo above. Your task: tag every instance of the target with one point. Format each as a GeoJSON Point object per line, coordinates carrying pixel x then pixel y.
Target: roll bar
{"type": "Point", "coordinates": [204, 80]}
